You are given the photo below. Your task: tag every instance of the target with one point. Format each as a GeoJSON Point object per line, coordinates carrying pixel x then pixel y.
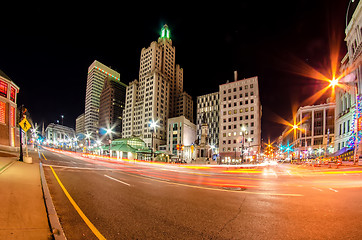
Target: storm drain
{"type": "Point", "coordinates": [240, 188]}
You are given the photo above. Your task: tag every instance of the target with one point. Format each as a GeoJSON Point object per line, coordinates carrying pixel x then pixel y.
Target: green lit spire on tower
{"type": "Point", "coordinates": [165, 32]}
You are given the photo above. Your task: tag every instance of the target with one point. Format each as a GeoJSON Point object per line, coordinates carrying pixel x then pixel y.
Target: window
{"type": "Point", "coordinates": [12, 116]}
{"type": "Point", "coordinates": [2, 112]}
{"type": "Point", "coordinates": [348, 123]}
{"type": "Point", "coordinates": [3, 89]}
{"type": "Point", "coordinates": [12, 94]}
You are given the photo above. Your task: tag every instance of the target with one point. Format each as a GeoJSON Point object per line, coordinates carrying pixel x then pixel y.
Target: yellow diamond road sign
{"type": "Point", "coordinates": [25, 125]}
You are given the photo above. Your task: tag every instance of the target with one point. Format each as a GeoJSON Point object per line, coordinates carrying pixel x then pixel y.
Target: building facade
{"type": "Point", "coordinates": [8, 111]}
{"type": "Point", "coordinates": [153, 97]}
{"type": "Point", "coordinates": [181, 131]}
{"type": "Point", "coordinates": [60, 136]}
{"type": "Point", "coordinates": [207, 112]}
{"type": "Point", "coordinates": [111, 106]}
{"type": "Point", "coordinates": [240, 119]}
{"type": "Point", "coordinates": [349, 96]}
{"type": "Point", "coordinates": [79, 124]}
{"type": "Point", "coordinates": [97, 72]}
{"type": "Point", "coordinates": [316, 131]}
{"type": "Point", "coordinates": [184, 106]}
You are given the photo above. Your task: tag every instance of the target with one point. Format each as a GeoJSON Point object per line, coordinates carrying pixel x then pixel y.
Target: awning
{"type": "Point", "coordinates": [144, 151]}
{"type": "Point", "coordinates": [341, 151]}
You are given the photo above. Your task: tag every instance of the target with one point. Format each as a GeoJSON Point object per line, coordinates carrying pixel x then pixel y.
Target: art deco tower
{"type": "Point", "coordinates": [153, 97]}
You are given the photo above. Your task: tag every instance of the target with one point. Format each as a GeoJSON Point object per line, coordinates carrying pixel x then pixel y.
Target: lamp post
{"type": "Point", "coordinates": [87, 136]}
{"type": "Point", "coordinates": [153, 125]}
{"type": "Point", "coordinates": [243, 130]}
{"type": "Point", "coordinates": [109, 132]}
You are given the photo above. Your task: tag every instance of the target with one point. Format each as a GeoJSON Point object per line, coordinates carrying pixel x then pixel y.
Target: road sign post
{"type": "Point", "coordinates": [25, 125]}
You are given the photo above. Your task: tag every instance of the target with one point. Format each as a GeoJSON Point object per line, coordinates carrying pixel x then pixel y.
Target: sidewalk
{"type": "Point", "coordinates": [23, 214]}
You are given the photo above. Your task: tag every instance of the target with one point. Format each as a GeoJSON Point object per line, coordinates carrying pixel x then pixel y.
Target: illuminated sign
{"type": "Point", "coordinates": [359, 124]}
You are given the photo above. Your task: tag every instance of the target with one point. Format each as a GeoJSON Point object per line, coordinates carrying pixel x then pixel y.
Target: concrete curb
{"type": "Point", "coordinates": [6, 166]}
{"type": "Point", "coordinates": [56, 227]}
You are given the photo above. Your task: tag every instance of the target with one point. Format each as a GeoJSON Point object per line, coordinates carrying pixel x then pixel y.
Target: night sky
{"type": "Point", "coordinates": [46, 50]}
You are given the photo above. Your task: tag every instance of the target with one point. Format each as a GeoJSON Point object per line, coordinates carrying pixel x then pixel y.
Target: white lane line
{"type": "Point", "coordinates": [334, 190]}
{"type": "Point", "coordinates": [117, 180]}
{"type": "Point", "coordinates": [317, 189]}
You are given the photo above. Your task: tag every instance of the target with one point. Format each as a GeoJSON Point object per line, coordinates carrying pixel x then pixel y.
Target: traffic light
{"type": "Point", "coordinates": [178, 147]}
{"type": "Point", "coordinates": [182, 147]}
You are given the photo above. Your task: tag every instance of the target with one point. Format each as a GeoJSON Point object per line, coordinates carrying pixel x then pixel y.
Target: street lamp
{"type": "Point", "coordinates": [88, 135]}
{"type": "Point", "coordinates": [243, 130]}
{"type": "Point", "coordinates": [109, 132]}
{"type": "Point", "coordinates": [153, 125]}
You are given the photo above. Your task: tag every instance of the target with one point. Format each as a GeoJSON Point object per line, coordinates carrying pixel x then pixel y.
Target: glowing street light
{"type": "Point", "coordinates": [243, 131]}
{"type": "Point", "coordinates": [153, 126]}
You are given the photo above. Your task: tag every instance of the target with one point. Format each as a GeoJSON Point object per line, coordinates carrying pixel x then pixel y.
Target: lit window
{"type": "Point", "coordinates": [12, 116]}
{"type": "Point", "coordinates": [3, 89]}
{"type": "Point", "coordinates": [2, 112]}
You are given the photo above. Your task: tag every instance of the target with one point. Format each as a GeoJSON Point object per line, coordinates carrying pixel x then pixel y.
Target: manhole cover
{"type": "Point", "coordinates": [234, 188]}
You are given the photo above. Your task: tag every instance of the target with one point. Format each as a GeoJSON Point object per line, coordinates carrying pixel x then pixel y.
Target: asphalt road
{"type": "Point", "coordinates": [151, 201]}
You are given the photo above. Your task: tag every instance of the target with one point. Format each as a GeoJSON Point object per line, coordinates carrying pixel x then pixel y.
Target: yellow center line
{"type": "Point", "coordinates": [44, 156]}
{"type": "Point", "coordinates": [80, 212]}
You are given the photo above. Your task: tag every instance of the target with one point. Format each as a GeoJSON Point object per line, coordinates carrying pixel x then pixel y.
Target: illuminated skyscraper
{"type": "Point", "coordinates": [155, 95]}
{"type": "Point", "coordinates": [97, 72]}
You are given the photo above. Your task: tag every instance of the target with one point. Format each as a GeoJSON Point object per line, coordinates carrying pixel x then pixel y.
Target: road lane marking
{"type": "Point", "coordinates": [77, 208]}
{"type": "Point", "coordinates": [44, 157]}
{"type": "Point", "coordinates": [215, 189]}
{"type": "Point", "coordinates": [317, 189]}
{"type": "Point", "coordinates": [334, 190]}
{"type": "Point", "coordinates": [115, 179]}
